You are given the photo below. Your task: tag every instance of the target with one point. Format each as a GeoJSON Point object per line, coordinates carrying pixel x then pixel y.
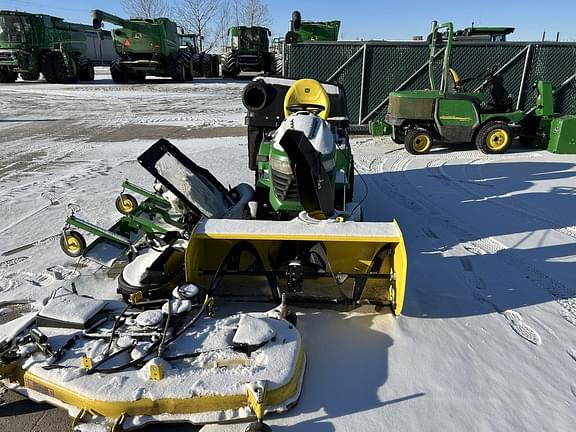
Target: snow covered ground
{"type": "Point", "coordinates": [487, 339]}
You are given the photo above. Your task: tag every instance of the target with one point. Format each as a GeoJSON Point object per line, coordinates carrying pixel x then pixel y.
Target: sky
{"type": "Point", "coordinates": [374, 19]}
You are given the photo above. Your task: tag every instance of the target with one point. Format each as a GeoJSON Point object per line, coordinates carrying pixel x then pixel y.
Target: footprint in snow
{"type": "Point", "coordinates": [521, 328]}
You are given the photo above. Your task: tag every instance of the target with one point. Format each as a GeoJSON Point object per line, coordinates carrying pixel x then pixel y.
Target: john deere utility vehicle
{"type": "Point", "coordinates": [148, 47]}
{"type": "Point", "coordinates": [31, 44]}
{"type": "Point", "coordinates": [248, 51]}
{"type": "Point", "coordinates": [277, 107]}
{"type": "Point", "coordinates": [446, 113]}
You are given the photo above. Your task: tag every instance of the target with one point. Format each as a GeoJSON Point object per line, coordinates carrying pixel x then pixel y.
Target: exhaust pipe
{"type": "Point", "coordinates": [256, 95]}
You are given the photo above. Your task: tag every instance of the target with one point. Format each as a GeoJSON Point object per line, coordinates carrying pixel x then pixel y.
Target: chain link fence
{"type": "Point", "coordinates": [369, 71]}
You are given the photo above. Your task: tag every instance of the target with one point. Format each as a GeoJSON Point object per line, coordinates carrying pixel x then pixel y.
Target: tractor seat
{"type": "Point", "coordinates": [305, 94]}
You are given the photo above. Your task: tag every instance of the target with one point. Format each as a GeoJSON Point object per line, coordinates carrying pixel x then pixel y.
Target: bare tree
{"type": "Point", "coordinates": [223, 21]}
{"type": "Point", "coordinates": [199, 16]}
{"type": "Point", "coordinates": [254, 13]}
{"type": "Point", "coordinates": [147, 8]}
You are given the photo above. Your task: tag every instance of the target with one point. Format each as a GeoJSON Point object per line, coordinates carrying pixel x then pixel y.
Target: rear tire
{"type": "Point", "coordinates": [494, 138]}
{"type": "Point", "coordinates": [229, 66]}
{"type": "Point", "coordinates": [65, 68]}
{"type": "Point", "coordinates": [118, 71]}
{"type": "Point", "coordinates": [47, 67]}
{"type": "Point", "coordinates": [418, 141]}
{"type": "Point", "coordinates": [196, 65]}
{"type": "Point", "coordinates": [85, 69]}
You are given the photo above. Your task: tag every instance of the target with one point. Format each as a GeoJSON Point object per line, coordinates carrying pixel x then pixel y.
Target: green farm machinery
{"type": "Point", "coordinates": [248, 51]}
{"type": "Point", "coordinates": [31, 44]}
{"type": "Point", "coordinates": [446, 113]}
{"type": "Point", "coordinates": [301, 31]}
{"type": "Point", "coordinates": [152, 47]}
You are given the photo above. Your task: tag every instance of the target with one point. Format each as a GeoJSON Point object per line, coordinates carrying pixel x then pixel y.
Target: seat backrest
{"type": "Point", "coordinates": [307, 92]}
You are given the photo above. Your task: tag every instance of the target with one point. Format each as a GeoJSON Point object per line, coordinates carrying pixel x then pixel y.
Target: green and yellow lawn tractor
{"type": "Point", "coordinates": [448, 114]}
{"type": "Point", "coordinates": [281, 111]}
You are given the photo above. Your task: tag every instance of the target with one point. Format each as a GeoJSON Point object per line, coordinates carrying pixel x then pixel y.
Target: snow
{"type": "Point", "coordinates": [486, 340]}
{"type": "Point", "coordinates": [253, 331]}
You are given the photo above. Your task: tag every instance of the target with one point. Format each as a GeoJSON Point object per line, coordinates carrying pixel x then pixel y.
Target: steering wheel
{"type": "Point", "coordinates": [311, 108]}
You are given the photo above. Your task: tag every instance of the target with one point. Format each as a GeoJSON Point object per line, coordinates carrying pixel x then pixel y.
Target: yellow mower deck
{"type": "Point", "coordinates": [209, 390]}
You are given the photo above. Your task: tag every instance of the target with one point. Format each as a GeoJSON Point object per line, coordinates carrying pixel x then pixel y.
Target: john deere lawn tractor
{"type": "Point", "coordinates": [446, 113]}
{"type": "Point", "coordinates": [148, 47]}
{"type": "Point", "coordinates": [282, 110]}
{"type": "Point", "coordinates": [248, 51]}
{"type": "Point", "coordinates": [31, 44]}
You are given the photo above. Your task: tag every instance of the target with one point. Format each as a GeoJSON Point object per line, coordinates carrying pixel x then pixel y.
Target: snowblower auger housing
{"type": "Point", "coordinates": [350, 262]}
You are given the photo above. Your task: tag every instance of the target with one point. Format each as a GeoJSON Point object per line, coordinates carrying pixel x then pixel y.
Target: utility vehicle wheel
{"type": "Point", "coordinates": [418, 141]}
{"type": "Point", "coordinates": [30, 76]}
{"type": "Point", "coordinates": [118, 71]}
{"type": "Point", "coordinates": [494, 138]}
{"type": "Point", "coordinates": [7, 76]}
{"type": "Point", "coordinates": [258, 427]}
{"type": "Point", "coordinates": [126, 204]}
{"type": "Point", "coordinates": [73, 244]}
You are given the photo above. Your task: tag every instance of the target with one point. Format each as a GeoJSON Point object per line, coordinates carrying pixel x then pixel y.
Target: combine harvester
{"type": "Point", "coordinates": [31, 44]}
{"type": "Point", "coordinates": [154, 47]}
{"type": "Point", "coordinates": [167, 357]}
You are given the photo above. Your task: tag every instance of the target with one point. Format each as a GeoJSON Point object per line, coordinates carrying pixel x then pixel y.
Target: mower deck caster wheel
{"type": "Point", "coordinates": [126, 204]}
{"type": "Point", "coordinates": [258, 427]}
{"type": "Point", "coordinates": [73, 244]}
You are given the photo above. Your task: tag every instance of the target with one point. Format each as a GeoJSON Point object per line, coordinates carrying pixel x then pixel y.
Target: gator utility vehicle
{"type": "Point", "coordinates": [31, 44]}
{"type": "Point", "coordinates": [448, 114]}
{"type": "Point", "coordinates": [148, 47]}
{"type": "Point", "coordinates": [248, 51]}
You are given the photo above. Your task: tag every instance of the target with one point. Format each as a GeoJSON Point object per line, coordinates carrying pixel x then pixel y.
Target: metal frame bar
{"type": "Point", "coordinates": [346, 63]}
{"type": "Point", "coordinates": [503, 68]}
{"type": "Point", "coordinates": [523, 79]}
{"type": "Point", "coordinates": [363, 80]}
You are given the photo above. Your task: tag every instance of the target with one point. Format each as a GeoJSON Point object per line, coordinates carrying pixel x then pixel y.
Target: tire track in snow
{"type": "Point", "coordinates": [563, 295]}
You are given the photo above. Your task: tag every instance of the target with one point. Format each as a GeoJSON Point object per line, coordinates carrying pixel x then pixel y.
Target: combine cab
{"type": "Point", "coordinates": [31, 44]}
{"type": "Point", "coordinates": [248, 51]}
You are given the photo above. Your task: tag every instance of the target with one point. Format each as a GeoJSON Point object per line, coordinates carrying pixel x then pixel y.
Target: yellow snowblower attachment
{"type": "Point", "coordinates": [350, 262]}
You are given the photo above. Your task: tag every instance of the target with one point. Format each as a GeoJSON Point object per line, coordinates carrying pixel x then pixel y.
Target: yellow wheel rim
{"type": "Point", "coordinates": [421, 143]}
{"type": "Point", "coordinates": [72, 244]}
{"type": "Point", "coordinates": [497, 139]}
{"type": "Point", "coordinates": [126, 205]}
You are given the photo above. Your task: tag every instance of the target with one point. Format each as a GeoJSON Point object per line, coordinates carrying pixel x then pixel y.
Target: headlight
{"type": "Point", "coordinates": [280, 165]}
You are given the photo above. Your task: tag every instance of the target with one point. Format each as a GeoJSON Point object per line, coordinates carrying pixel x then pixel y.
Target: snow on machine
{"type": "Point", "coordinates": [116, 367]}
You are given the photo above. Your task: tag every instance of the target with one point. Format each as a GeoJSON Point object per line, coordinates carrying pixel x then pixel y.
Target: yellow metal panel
{"type": "Point", "coordinates": [401, 270]}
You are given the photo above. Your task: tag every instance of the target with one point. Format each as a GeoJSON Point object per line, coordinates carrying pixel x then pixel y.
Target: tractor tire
{"type": "Point", "coordinates": [118, 71]}
{"type": "Point", "coordinates": [7, 76]}
{"type": "Point", "coordinates": [30, 76]}
{"type": "Point", "coordinates": [208, 66]}
{"type": "Point", "coordinates": [85, 69]}
{"type": "Point", "coordinates": [196, 65]}
{"type": "Point", "coordinates": [65, 68]}
{"type": "Point", "coordinates": [47, 67]}
{"type": "Point", "coordinates": [418, 141]}
{"type": "Point", "coordinates": [229, 66]}
{"type": "Point", "coordinates": [494, 138]}
{"type": "Point", "coordinates": [180, 66]}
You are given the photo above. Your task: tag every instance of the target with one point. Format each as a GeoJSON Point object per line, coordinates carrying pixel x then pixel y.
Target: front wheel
{"type": "Point", "coordinates": [126, 204]}
{"type": "Point", "coordinates": [418, 141]}
{"type": "Point", "coordinates": [494, 138]}
{"type": "Point", "coordinates": [73, 243]}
